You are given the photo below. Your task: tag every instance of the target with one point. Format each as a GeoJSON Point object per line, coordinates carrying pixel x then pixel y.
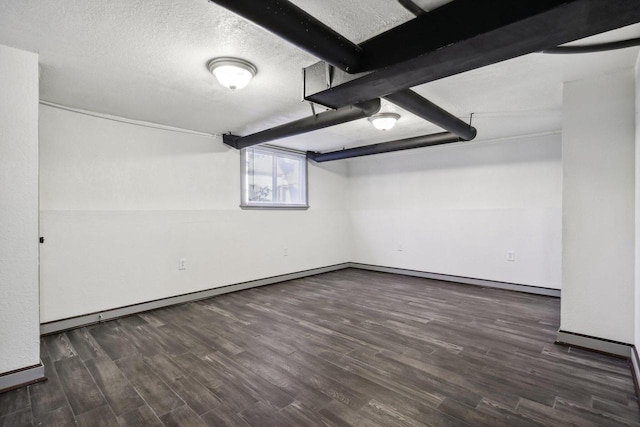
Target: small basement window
{"type": "Point", "coordinates": [273, 178]}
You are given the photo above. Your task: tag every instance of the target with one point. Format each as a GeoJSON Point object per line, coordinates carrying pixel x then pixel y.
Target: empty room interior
{"type": "Point", "coordinates": [310, 213]}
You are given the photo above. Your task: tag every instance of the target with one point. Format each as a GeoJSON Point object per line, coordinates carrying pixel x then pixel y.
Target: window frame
{"type": "Point", "coordinates": [277, 152]}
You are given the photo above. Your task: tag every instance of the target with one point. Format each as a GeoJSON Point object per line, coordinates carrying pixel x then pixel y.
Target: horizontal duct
{"type": "Point", "coordinates": [421, 107]}
{"type": "Point", "coordinates": [592, 48]}
{"type": "Point", "coordinates": [460, 36]}
{"type": "Point", "coordinates": [307, 124]}
{"type": "Point", "coordinates": [386, 147]}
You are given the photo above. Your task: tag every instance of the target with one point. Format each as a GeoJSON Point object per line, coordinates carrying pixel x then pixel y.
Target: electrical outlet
{"type": "Point", "coordinates": [285, 252]}
{"type": "Point", "coordinates": [182, 264]}
{"type": "Point", "coordinates": [511, 256]}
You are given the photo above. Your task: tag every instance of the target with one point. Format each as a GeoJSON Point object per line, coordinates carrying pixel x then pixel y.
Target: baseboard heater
{"type": "Point", "coordinates": [22, 377]}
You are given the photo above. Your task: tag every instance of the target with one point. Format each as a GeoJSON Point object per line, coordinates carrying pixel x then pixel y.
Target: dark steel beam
{"type": "Point", "coordinates": [421, 107]}
{"type": "Point", "coordinates": [451, 23]}
{"type": "Point", "coordinates": [479, 34]}
{"type": "Point", "coordinates": [293, 24]}
{"type": "Point", "coordinates": [307, 124]}
{"type": "Point", "coordinates": [386, 147]}
{"type": "Point", "coordinates": [412, 7]}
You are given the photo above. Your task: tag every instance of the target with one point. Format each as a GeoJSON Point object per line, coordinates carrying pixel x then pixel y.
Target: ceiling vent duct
{"type": "Point", "coordinates": [421, 107]}
{"type": "Point", "coordinates": [386, 147]}
{"type": "Point", "coordinates": [464, 35]}
{"type": "Point", "coordinates": [307, 124]}
{"type": "Point", "coordinates": [592, 48]}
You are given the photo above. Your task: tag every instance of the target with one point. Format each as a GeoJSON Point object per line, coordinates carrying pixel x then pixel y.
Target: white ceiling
{"type": "Point", "coordinates": [146, 60]}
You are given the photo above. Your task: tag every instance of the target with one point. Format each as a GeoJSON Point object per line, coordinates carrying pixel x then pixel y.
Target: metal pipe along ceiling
{"type": "Point", "coordinates": [421, 107]}
{"type": "Point", "coordinates": [591, 48]}
{"type": "Point", "coordinates": [307, 124]}
{"type": "Point", "coordinates": [296, 26]}
{"type": "Point", "coordinates": [412, 7]}
{"type": "Point", "coordinates": [386, 147]}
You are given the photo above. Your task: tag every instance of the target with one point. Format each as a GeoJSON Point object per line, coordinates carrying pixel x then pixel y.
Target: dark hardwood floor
{"type": "Point", "coordinates": [343, 348]}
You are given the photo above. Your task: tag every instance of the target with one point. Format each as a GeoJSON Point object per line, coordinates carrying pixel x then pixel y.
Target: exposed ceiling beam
{"type": "Point", "coordinates": [412, 7]}
{"type": "Point", "coordinates": [593, 48]}
{"type": "Point", "coordinates": [386, 147]}
{"type": "Point", "coordinates": [421, 107]}
{"type": "Point", "coordinates": [307, 124]}
{"type": "Point", "coordinates": [296, 26]}
{"type": "Point", "coordinates": [464, 35]}
{"type": "Point", "coordinates": [288, 21]}
{"type": "Point", "coordinates": [451, 23]}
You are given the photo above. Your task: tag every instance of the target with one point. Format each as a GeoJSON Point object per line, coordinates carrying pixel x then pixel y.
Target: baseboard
{"type": "Point", "coordinates": [22, 377]}
{"type": "Point", "coordinates": [635, 371]}
{"type": "Point", "coordinates": [458, 279]}
{"type": "Point", "coordinates": [92, 318]}
{"type": "Point", "coordinates": [601, 345]}
{"type": "Point", "coordinates": [609, 347]}
{"type": "Point", "coordinates": [102, 316]}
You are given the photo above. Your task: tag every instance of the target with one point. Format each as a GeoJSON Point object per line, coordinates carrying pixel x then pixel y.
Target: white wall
{"type": "Point", "coordinates": [598, 202]}
{"type": "Point", "coordinates": [121, 204]}
{"type": "Point", "coordinates": [19, 324]}
{"type": "Point", "coordinates": [459, 209]}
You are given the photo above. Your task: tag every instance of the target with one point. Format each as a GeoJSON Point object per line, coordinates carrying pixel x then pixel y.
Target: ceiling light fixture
{"type": "Point", "coordinates": [233, 73]}
{"type": "Point", "coordinates": [384, 121]}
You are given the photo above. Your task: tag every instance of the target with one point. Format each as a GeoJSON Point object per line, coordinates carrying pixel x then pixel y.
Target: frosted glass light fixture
{"type": "Point", "coordinates": [384, 121]}
{"type": "Point", "coordinates": [233, 73]}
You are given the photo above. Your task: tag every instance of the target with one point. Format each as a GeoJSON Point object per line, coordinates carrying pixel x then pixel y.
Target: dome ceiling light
{"type": "Point", "coordinates": [232, 73]}
{"type": "Point", "coordinates": [384, 121]}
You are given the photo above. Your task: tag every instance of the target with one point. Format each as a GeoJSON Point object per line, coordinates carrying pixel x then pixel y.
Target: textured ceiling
{"type": "Point", "coordinates": [146, 60]}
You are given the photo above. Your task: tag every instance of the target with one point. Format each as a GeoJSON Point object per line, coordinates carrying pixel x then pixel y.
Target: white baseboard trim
{"type": "Point", "coordinates": [594, 343]}
{"type": "Point", "coordinates": [102, 316]}
{"type": "Point", "coordinates": [458, 279]}
{"type": "Point", "coordinates": [22, 377]}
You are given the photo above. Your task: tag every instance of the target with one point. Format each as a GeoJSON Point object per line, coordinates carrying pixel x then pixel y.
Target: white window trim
{"type": "Point", "coordinates": [272, 206]}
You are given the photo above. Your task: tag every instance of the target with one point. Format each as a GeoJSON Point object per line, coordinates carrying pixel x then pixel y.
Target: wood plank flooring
{"type": "Point", "coordinates": [350, 347]}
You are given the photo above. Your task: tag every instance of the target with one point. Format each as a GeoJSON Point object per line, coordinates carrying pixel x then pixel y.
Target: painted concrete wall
{"type": "Point", "coordinates": [598, 201]}
{"type": "Point", "coordinates": [19, 323]}
{"type": "Point", "coordinates": [122, 204]}
{"type": "Point", "coordinates": [459, 209]}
